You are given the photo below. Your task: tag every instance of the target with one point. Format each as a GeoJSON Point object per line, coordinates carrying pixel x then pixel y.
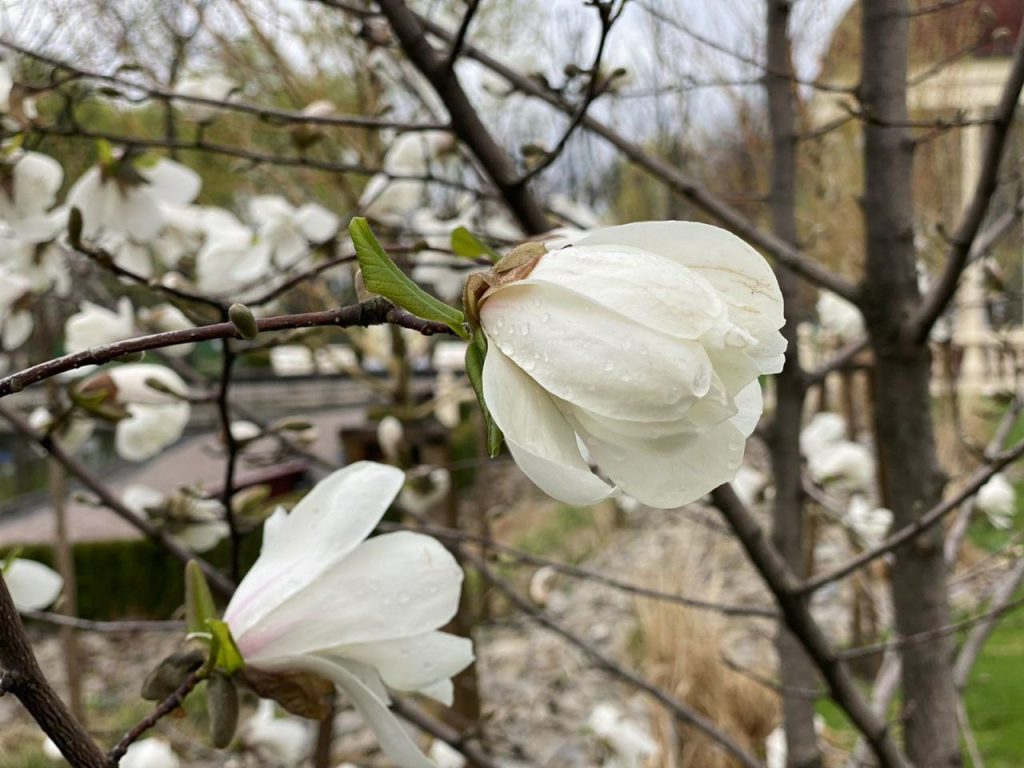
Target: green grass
{"type": "Point", "coordinates": [569, 533]}
{"type": "Point", "coordinates": [995, 698]}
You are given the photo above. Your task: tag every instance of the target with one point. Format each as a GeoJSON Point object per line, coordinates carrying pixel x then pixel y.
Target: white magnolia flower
{"type": "Point", "coordinates": [775, 749]}
{"type": "Point", "coordinates": [15, 309]}
{"type": "Point", "coordinates": [6, 83]}
{"type": "Point", "coordinates": [214, 87]}
{"type": "Point", "coordinates": [28, 196]}
{"type": "Point", "coordinates": [74, 430]}
{"type": "Point", "coordinates": [844, 464]}
{"type": "Point", "coordinates": [150, 753]}
{"type": "Point", "coordinates": [243, 431]}
{"type": "Point", "coordinates": [424, 492]}
{"type": "Point", "coordinates": [285, 232]}
{"type": "Point", "coordinates": [390, 436]}
{"type": "Point", "coordinates": [870, 522]}
{"type": "Point", "coordinates": [998, 500]}
{"type": "Point", "coordinates": [823, 430]}
{"type": "Point", "coordinates": [445, 756]}
{"type": "Point", "coordinates": [286, 741]}
{"type": "Point", "coordinates": [155, 418]}
{"type": "Point", "coordinates": [838, 316]}
{"type": "Point", "coordinates": [363, 614]}
{"type": "Point", "coordinates": [411, 154]}
{"type": "Point", "coordinates": [33, 586]}
{"type": "Point", "coordinates": [134, 207]}
{"type": "Point", "coordinates": [228, 259]}
{"type": "Point", "coordinates": [94, 326]}
{"type": "Point", "coordinates": [195, 523]}
{"type": "Point", "coordinates": [630, 744]}
{"type": "Point", "coordinates": [646, 341]}
{"type": "Point", "coordinates": [749, 484]}
{"type": "Point", "coordinates": [167, 317]}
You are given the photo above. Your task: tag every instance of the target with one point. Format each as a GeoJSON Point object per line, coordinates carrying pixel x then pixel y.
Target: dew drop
{"type": "Point", "coordinates": [525, 330]}
{"type": "Point", "coordinates": [501, 323]}
{"type": "Point", "coordinates": [529, 365]}
{"type": "Point", "coordinates": [507, 348]}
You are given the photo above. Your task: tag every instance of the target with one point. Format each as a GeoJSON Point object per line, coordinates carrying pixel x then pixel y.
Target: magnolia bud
{"type": "Point", "coordinates": [222, 704]}
{"type": "Point", "coordinates": [244, 321]}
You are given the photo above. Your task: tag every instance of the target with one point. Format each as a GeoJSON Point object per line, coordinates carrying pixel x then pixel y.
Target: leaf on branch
{"type": "Point", "coordinates": [383, 277]}
{"type": "Point", "coordinates": [199, 605]}
{"type": "Point", "coordinates": [469, 246]}
{"type": "Point", "coordinates": [475, 354]}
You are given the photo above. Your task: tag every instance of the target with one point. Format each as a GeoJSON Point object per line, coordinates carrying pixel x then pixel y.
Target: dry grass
{"type": "Point", "coordinates": [681, 651]}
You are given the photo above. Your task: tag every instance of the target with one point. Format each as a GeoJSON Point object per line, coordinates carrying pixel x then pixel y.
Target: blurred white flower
{"type": "Point", "coordinates": [445, 756]}
{"type": "Point", "coordinates": [130, 197]}
{"type": "Point", "coordinates": [150, 753]}
{"type": "Point", "coordinates": [195, 523]}
{"type": "Point", "coordinates": [285, 232]}
{"type": "Point", "coordinates": [16, 321]}
{"type": "Point", "coordinates": [823, 430]}
{"type": "Point", "coordinates": [630, 744]}
{"type": "Point", "coordinates": [167, 317]}
{"type": "Point", "coordinates": [228, 259]}
{"type": "Point", "coordinates": [74, 430]}
{"type": "Point", "coordinates": [998, 500]}
{"type": "Point", "coordinates": [838, 316]}
{"type": "Point", "coordinates": [425, 490]}
{"type": "Point", "coordinates": [28, 196]}
{"type": "Point", "coordinates": [390, 436]}
{"type": "Point", "coordinates": [844, 464]}
{"type": "Point", "coordinates": [33, 586]}
{"type": "Point", "coordinates": [285, 741]}
{"type": "Point", "coordinates": [214, 87]}
{"type": "Point", "coordinates": [155, 418]}
{"type": "Point", "coordinates": [94, 326]}
{"type": "Point", "coordinates": [243, 431]}
{"type": "Point", "coordinates": [749, 484]}
{"type": "Point", "coordinates": [363, 614]}
{"type": "Point", "coordinates": [646, 341]}
{"type": "Point", "coordinates": [871, 523]}
{"type": "Point", "coordinates": [411, 154]}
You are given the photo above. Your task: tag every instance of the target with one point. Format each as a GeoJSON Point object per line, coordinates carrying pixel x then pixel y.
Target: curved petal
{"type": "Point", "coordinates": [33, 586]}
{"type": "Point", "coordinates": [541, 441]}
{"type": "Point", "coordinates": [316, 223]}
{"type": "Point", "coordinates": [37, 178]}
{"type": "Point", "coordinates": [137, 213]}
{"type": "Point", "coordinates": [390, 586]}
{"type": "Point", "coordinates": [149, 429]}
{"type": "Point", "coordinates": [15, 329]}
{"type": "Point", "coordinates": [739, 273]}
{"type": "Point", "coordinates": [595, 358]}
{"type": "Point", "coordinates": [412, 663]}
{"type": "Point", "coordinates": [172, 182]}
{"type": "Point", "coordinates": [86, 194]}
{"type": "Point", "coordinates": [320, 532]}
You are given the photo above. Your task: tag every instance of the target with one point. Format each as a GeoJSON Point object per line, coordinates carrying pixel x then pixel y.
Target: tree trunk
{"type": "Point", "coordinates": [902, 413]}
{"type": "Point", "coordinates": [795, 669]}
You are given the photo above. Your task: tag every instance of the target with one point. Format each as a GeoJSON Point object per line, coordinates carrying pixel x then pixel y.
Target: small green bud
{"type": "Point", "coordinates": [222, 704]}
{"type": "Point", "coordinates": [244, 321]}
{"type": "Point", "coordinates": [170, 674]}
{"type": "Point", "coordinates": [199, 605]}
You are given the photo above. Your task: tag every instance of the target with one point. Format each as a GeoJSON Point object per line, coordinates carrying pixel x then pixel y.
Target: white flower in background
{"type": "Point", "coordinates": [167, 317]}
{"type": "Point", "coordinates": [195, 523]}
{"type": "Point", "coordinates": [28, 195]}
{"type": "Point", "coordinates": [378, 351]}
{"type": "Point", "coordinates": [843, 464]}
{"type": "Point", "coordinates": [130, 198]}
{"type": "Point", "coordinates": [362, 613]}
{"type": "Point", "coordinates": [16, 297]}
{"type": "Point", "coordinates": [285, 232]}
{"type": "Point", "coordinates": [228, 259]}
{"type": "Point", "coordinates": [998, 500]}
{"type": "Point", "coordinates": [50, 750]}
{"type": "Point", "coordinates": [6, 83]}
{"type": "Point", "coordinates": [44, 265]}
{"type": "Point", "coordinates": [424, 490]}
{"type": "Point", "coordinates": [150, 753]}
{"type": "Point", "coordinates": [646, 341]}
{"type": "Point", "coordinates": [155, 418]}
{"type": "Point", "coordinates": [823, 430]}
{"type": "Point", "coordinates": [749, 484]}
{"type": "Point", "coordinates": [214, 87]}
{"type": "Point", "coordinates": [181, 236]}
{"type": "Point", "coordinates": [775, 749]}
{"type": "Point", "coordinates": [33, 586]}
{"type": "Point", "coordinates": [74, 430]}
{"type": "Point", "coordinates": [449, 394]}
{"type": "Point", "coordinates": [285, 741]}
{"type": "Point", "coordinates": [292, 360]}
{"type": "Point", "coordinates": [838, 316]}
{"type": "Point", "coordinates": [871, 523]}
{"type": "Point", "coordinates": [243, 431]}
{"type": "Point", "coordinates": [411, 154]}
{"type": "Point", "coordinates": [445, 756]}
{"type": "Point", "coordinates": [449, 356]}
{"type": "Point", "coordinates": [630, 744]}
{"type": "Point", "coordinates": [94, 326]}
{"type": "Point", "coordinates": [390, 437]}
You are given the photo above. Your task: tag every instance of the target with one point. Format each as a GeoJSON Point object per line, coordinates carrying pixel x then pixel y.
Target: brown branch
{"type": "Point", "coordinates": [466, 123]}
{"type": "Point", "coordinates": [20, 675]}
{"type": "Point", "coordinates": [440, 730]}
{"type": "Point", "coordinates": [783, 585]}
{"type": "Point", "coordinates": [1002, 600]}
{"type": "Point", "coordinates": [935, 303]}
{"type": "Point", "coordinates": [164, 708]}
{"type": "Point", "coordinates": [460, 36]}
{"type": "Point", "coordinates": [376, 311]}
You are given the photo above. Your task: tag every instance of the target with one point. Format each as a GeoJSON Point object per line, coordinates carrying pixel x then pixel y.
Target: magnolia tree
{"type": "Point", "coordinates": [628, 362]}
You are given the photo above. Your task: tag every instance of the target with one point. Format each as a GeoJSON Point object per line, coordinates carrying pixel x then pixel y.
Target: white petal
{"type": "Point", "coordinates": [17, 327]}
{"type": "Point", "coordinates": [33, 586]}
{"type": "Point", "coordinates": [87, 196]}
{"type": "Point", "coordinates": [172, 182]}
{"type": "Point", "coordinates": [316, 223]}
{"type": "Point", "coordinates": [390, 586]}
{"type": "Point", "coordinates": [37, 178]}
{"type": "Point", "coordinates": [149, 429]}
{"type": "Point", "coordinates": [538, 436]}
{"type": "Point", "coordinates": [593, 357]}
{"type": "Point", "coordinates": [133, 384]}
{"type": "Point", "coordinates": [137, 213]}
{"type": "Point", "coordinates": [740, 274]}
{"type": "Point", "coordinates": [412, 663]}
{"type": "Point", "coordinates": [304, 546]}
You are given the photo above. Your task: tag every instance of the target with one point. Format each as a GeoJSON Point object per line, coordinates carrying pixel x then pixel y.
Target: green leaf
{"type": "Point", "coordinates": [475, 353]}
{"type": "Point", "coordinates": [228, 658]}
{"type": "Point", "coordinates": [383, 277]}
{"type": "Point", "coordinates": [469, 246]}
{"type": "Point", "coordinates": [199, 605]}
{"type": "Point", "coordinates": [104, 152]}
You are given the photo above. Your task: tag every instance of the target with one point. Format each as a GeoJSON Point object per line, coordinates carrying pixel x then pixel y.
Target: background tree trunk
{"type": "Point", "coordinates": [902, 413]}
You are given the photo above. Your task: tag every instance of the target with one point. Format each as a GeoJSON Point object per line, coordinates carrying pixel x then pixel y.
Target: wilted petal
{"type": "Point", "coordinates": [540, 439]}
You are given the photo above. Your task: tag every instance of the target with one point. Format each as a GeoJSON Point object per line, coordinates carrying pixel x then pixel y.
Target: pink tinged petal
{"type": "Point", "coordinates": [652, 290]}
{"type": "Point", "coordinates": [32, 585]}
{"type": "Point", "coordinates": [392, 736]}
{"type": "Point", "coordinates": [390, 586]}
{"type": "Point", "coordinates": [172, 182]}
{"type": "Point", "coordinates": [412, 663]}
{"type": "Point", "coordinates": [593, 357]}
{"type": "Point", "coordinates": [739, 273]}
{"type": "Point", "coordinates": [541, 441]}
{"type": "Point", "coordinates": [311, 543]}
